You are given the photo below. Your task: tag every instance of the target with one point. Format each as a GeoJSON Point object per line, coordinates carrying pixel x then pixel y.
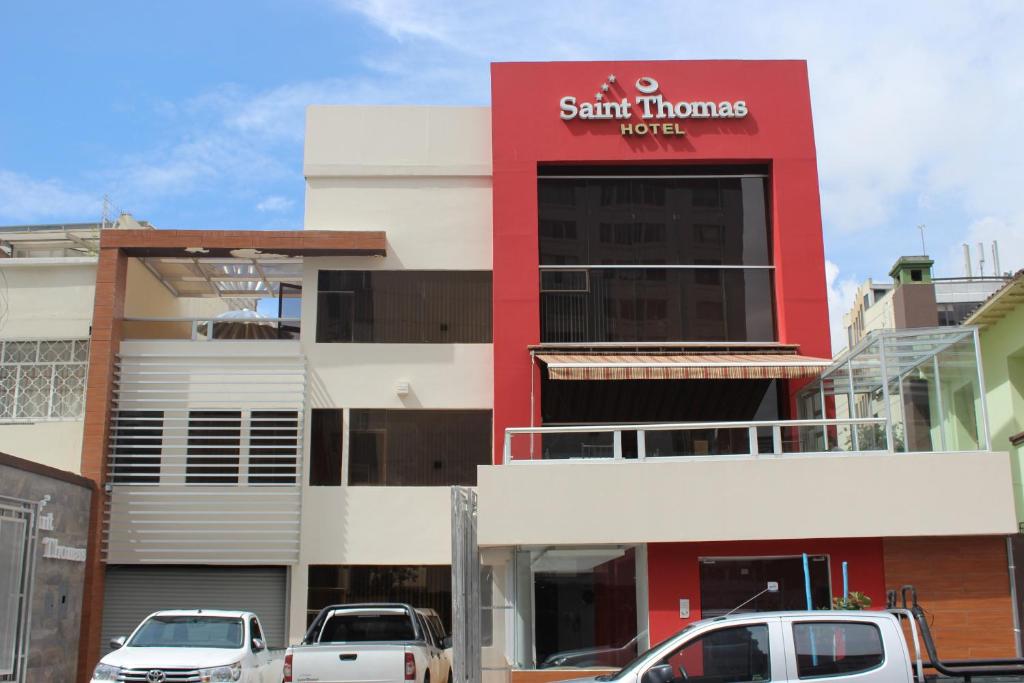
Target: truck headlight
{"type": "Point", "coordinates": [231, 672]}
{"type": "Point", "coordinates": [105, 672]}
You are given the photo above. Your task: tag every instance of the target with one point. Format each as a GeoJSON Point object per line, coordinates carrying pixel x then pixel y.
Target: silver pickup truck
{"type": "Point", "coordinates": [368, 643]}
{"type": "Point", "coordinates": [853, 646]}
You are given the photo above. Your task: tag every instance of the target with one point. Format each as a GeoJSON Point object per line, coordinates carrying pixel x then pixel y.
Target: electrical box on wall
{"type": "Point", "coordinates": [684, 608]}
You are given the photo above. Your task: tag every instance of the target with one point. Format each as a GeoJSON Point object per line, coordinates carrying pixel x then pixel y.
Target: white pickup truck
{"type": "Point", "coordinates": [190, 645]}
{"type": "Point", "coordinates": [790, 647]}
{"type": "Point", "coordinates": [368, 643]}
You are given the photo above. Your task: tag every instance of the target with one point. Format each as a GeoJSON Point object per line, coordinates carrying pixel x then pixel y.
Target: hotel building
{"type": "Point", "coordinates": [609, 321]}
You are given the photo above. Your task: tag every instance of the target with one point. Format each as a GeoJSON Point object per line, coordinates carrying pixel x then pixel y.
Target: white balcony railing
{"type": "Point", "coordinates": [212, 329]}
{"type": "Point", "coordinates": [696, 439]}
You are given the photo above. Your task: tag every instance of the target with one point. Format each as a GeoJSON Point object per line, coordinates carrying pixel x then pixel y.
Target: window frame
{"type": "Point", "coordinates": [455, 290]}
{"type": "Point", "coordinates": [378, 429]}
{"type": "Point", "coordinates": [832, 621]}
{"type": "Point", "coordinates": [670, 651]}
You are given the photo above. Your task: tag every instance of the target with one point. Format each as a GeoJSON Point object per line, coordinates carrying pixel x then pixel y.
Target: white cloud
{"type": "Point", "coordinates": [275, 204]}
{"type": "Point", "coordinates": [841, 293]}
{"type": "Point", "coordinates": [25, 199]}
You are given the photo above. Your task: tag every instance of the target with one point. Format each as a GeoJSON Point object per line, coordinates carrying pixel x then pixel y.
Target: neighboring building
{"type": "Point", "coordinates": [604, 326]}
{"type": "Point", "coordinates": [48, 280]}
{"type": "Point", "coordinates": [1000, 320]}
{"type": "Point", "coordinates": [927, 302]}
{"type": "Point", "coordinates": [44, 525]}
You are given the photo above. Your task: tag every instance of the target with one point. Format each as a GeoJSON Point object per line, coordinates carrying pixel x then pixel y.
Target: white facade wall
{"type": "Point", "coordinates": [422, 175]}
{"type": "Point", "coordinates": [52, 299]}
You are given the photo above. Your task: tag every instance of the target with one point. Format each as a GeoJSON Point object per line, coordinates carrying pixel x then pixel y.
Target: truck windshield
{"type": "Point", "coordinates": [355, 628]}
{"type": "Point", "coordinates": [189, 631]}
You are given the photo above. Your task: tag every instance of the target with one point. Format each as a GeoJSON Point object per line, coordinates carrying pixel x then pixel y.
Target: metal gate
{"type": "Point", "coordinates": [465, 588]}
{"type": "Point", "coordinates": [17, 569]}
{"type": "Point", "coordinates": [134, 592]}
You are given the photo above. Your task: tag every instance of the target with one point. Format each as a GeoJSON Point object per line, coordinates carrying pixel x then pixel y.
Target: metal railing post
{"type": "Point", "coordinates": [938, 396]}
{"type": "Point", "coordinates": [777, 439]}
{"type": "Point", "coordinates": [752, 438]}
{"type": "Point", "coordinates": [824, 414]}
{"type": "Point", "coordinates": [507, 458]}
{"type": "Point", "coordinates": [641, 444]}
{"type": "Point", "coordinates": [885, 394]}
{"type": "Point", "coordinates": [855, 436]}
{"type": "Point", "coordinates": [617, 444]}
{"type": "Point", "coordinates": [981, 389]}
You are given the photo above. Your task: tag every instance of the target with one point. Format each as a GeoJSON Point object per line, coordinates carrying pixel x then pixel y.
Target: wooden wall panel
{"type": "Point", "coordinates": [963, 584]}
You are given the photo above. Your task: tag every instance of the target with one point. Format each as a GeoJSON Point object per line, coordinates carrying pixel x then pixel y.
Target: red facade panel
{"type": "Point", "coordinates": [528, 131]}
{"type": "Point", "coordinates": [673, 571]}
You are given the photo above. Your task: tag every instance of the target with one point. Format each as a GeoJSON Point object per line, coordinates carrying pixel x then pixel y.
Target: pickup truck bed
{"type": "Point", "coordinates": [367, 643]}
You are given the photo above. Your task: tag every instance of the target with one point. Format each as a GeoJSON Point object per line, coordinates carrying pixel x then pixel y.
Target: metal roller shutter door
{"type": "Point", "coordinates": [133, 593]}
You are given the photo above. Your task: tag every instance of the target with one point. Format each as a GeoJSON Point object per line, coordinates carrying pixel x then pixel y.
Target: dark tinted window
{"type": "Point", "coordinates": [624, 305]}
{"type": "Point", "coordinates": [325, 448]}
{"type": "Point", "coordinates": [214, 447]}
{"type": "Point", "coordinates": [728, 655]}
{"type": "Point", "coordinates": [135, 447]}
{"type": "Point", "coordinates": [418, 447]}
{"type": "Point", "coordinates": [423, 586]}
{"type": "Point", "coordinates": [273, 446]}
{"type": "Point", "coordinates": [836, 648]}
{"type": "Point", "coordinates": [361, 627]}
{"type": "Point", "coordinates": [726, 583]}
{"type": "Point", "coordinates": [410, 306]}
{"type": "Point", "coordinates": [648, 221]}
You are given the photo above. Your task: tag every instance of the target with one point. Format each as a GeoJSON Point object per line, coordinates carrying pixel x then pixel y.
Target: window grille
{"type": "Point", "coordinates": [43, 379]}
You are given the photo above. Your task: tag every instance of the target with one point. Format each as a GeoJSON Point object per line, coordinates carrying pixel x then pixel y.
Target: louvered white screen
{"type": "Point", "coordinates": [205, 453]}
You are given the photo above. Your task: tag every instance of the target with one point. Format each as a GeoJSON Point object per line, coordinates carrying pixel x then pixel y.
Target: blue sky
{"type": "Point", "coordinates": [189, 114]}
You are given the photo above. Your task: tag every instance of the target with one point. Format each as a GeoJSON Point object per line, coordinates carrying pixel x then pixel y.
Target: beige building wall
{"type": "Point", "coordinates": [732, 498]}
{"type": "Point", "coordinates": [422, 175]}
{"type": "Point", "coordinates": [46, 298]}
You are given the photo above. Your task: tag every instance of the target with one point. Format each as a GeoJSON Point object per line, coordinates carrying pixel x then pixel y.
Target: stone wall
{"type": "Point", "coordinates": [58, 583]}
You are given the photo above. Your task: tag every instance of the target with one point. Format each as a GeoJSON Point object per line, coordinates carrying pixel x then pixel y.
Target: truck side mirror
{"type": "Point", "coordinates": [446, 642]}
{"type": "Point", "coordinates": [117, 643]}
{"type": "Point", "coordinates": [258, 645]}
{"type": "Point", "coordinates": [662, 673]}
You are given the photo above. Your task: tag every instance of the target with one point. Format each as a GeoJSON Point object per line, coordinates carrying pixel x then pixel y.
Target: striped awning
{"type": "Point", "coordinates": [590, 366]}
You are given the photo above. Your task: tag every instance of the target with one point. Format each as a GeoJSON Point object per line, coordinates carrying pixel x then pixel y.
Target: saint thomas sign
{"type": "Point", "coordinates": [659, 115]}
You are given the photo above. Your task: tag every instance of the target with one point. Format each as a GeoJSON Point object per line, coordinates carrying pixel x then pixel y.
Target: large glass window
{"type": "Point", "coordinates": [727, 583]}
{"type": "Point", "coordinates": [407, 306]}
{"type": "Point", "coordinates": [654, 259]}
{"type": "Point", "coordinates": [576, 607]}
{"type": "Point", "coordinates": [657, 304]}
{"type": "Point", "coordinates": [727, 655]}
{"type": "Point", "coordinates": [325, 448]}
{"type": "Point", "coordinates": [418, 447]}
{"type": "Point", "coordinates": [826, 648]}
{"type": "Point", "coordinates": [423, 586]}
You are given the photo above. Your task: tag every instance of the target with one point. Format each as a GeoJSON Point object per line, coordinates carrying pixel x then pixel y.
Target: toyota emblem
{"type": "Point", "coordinates": [156, 676]}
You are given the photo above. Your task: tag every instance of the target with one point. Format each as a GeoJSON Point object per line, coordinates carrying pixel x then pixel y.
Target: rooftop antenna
{"type": "Point", "coordinates": [924, 250]}
{"type": "Point", "coordinates": [981, 259]}
{"type": "Point", "coordinates": [995, 258]}
{"type": "Point", "coordinates": [105, 217]}
{"type": "Point", "coordinates": [967, 260]}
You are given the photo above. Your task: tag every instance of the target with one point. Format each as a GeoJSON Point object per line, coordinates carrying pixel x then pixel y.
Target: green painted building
{"type": "Point", "coordinates": [1000, 320]}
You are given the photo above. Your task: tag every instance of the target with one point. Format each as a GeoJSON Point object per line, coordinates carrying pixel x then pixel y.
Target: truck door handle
{"type": "Point", "coordinates": [349, 657]}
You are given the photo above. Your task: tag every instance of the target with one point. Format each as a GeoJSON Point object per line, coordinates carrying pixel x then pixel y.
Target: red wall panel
{"type": "Point", "coordinates": [673, 572]}
{"type": "Point", "coordinates": [527, 131]}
